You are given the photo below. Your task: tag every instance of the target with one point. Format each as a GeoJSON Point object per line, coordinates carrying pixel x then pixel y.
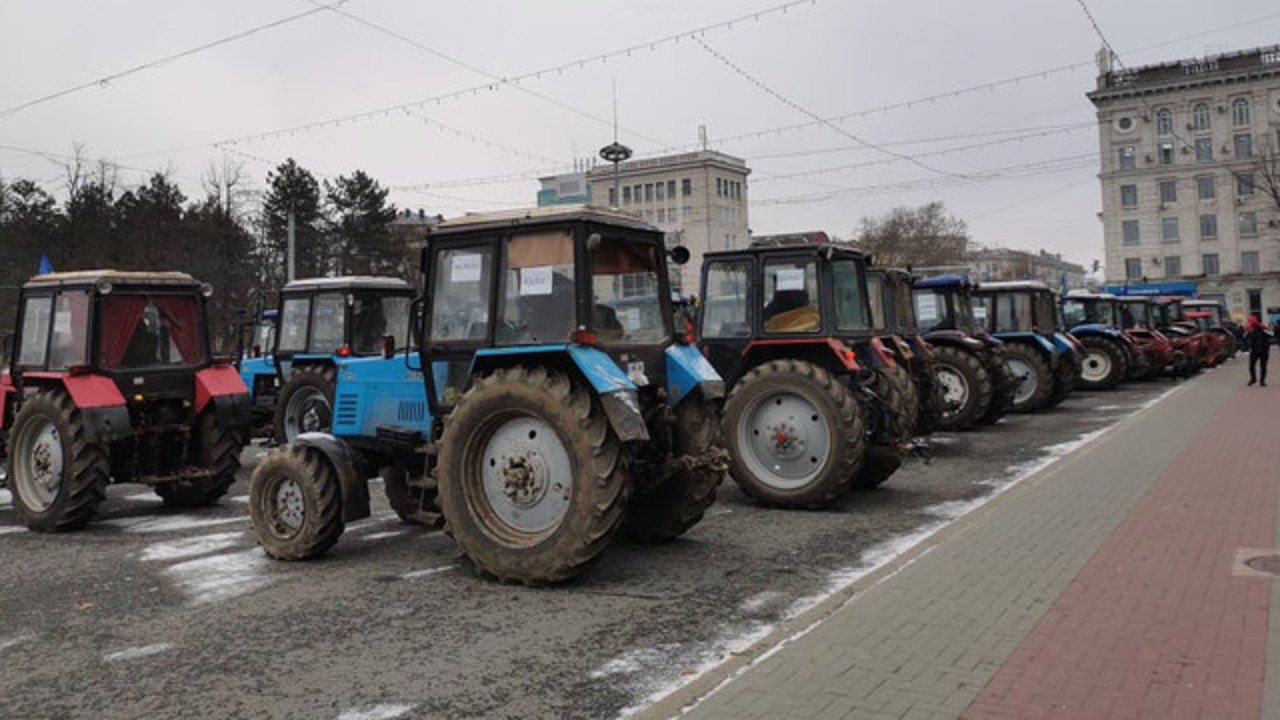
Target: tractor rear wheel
{"type": "Point", "coordinates": [56, 476]}
{"type": "Point", "coordinates": [1104, 363]}
{"type": "Point", "coordinates": [305, 403]}
{"type": "Point", "coordinates": [295, 503]}
{"type": "Point", "coordinates": [1032, 381]}
{"type": "Point", "coordinates": [1064, 381]}
{"type": "Point", "coordinates": [679, 502]}
{"type": "Point", "coordinates": [215, 449]}
{"type": "Point", "coordinates": [532, 481]}
{"type": "Point", "coordinates": [966, 387]}
{"type": "Point", "coordinates": [415, 504]}
{"type": "Point", "coordinates": [795, 434]}
{"type": "Point", "coordinates": [879, 464]}
{"type": "Point", "coordinates": [908, 403]}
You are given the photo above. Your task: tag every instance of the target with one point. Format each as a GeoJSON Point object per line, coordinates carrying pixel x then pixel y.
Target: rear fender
{"type": "Point", "coordinates": [347, 466]}
{"type": "Point", "coordinates": [763, 350]}
{"type": "Point", "coordinates": [688, 370]}
{"type": "Point", "coordinates": [1035, 339]}
{"type": "Point", "coordinates": [99, 400]}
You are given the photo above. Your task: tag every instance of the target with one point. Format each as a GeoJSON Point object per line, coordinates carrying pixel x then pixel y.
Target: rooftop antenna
{"type": "Point", "coordinates": [615, 152]}
{"type": "Point", "coordinates": [702, 136]}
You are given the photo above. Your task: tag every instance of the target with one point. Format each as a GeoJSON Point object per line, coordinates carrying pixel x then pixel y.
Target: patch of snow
{"type": "Point", "coordinates": [1108, 408]}
{"type": "Point", "coordinates": [376, 519]}
{"type": "Point", "coordinates": [137, 652]}
{"type": "Point", "coordinates": [424, 573]}
{"type": "Point", "coordinates": [376, 712]}
{"type": "Point", "coordinates": [664, 669]}
{"type": "Point", "coordinates": [147, 497]}
{"type": "Point", "coordinates": [190, 547]}
{"type": "Point", "coordinates": [171, 523]}
{"type": "Point", "coordinates": [221, 577]}
{"type": "Point", "coordinates": [10, 529]}
{"type": "Point", "coordinates": [6, 498]}
{"type": "Point", "coordinates": [17, 640]}
{"type": "Point", "coordinates": [239, 499]}
{"type": "Point", "coordinates": [759, 601]}
{"type": "Point", "coordinates": [384, 534]}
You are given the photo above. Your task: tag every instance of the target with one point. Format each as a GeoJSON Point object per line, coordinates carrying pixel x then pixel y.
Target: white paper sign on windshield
{"type": "Point", "coordinates": [465, 268]}
{"type": "Point", "coordinates": [535, 280]}
{"type": "Point", "coordinates": [979, 312]}
{"type": "Point", "coordinates": [791, 279]}
{"type": "Point", "coordinates": [927, 307]}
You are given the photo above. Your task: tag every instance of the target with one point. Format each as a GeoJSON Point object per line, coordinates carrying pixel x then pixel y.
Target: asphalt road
{"type": "Point", "coordinates": [149, 613]}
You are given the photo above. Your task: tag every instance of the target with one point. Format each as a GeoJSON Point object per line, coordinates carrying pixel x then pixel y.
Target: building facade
{"type": "Point", "coordinates": [567, 189]}
{"type": "Point", "coordinates": [1179, 146]}
{"type": "Point", "coordinates": [699, 199]}
{"type": "Point", "coordinates": [992, 264]}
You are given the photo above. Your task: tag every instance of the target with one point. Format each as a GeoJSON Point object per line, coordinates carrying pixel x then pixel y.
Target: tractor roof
{"type": "Point", "coordinates": [1091, 296]}
{"type": "Point", "coordinates": [346, 282]}
{"type": "Point", "coordinates": [116, 277]}
{"type": "Point", "coordinates": [890, 272]}
{"type": "Point", "coordinates": [1202, 303]}
{"type": "Point", "coordinates": [948, 280]}
{"type": "Point", "coordinates": [1009, 285]}
{"type": "Point", "coordinates": [1199, 314]}
{"type": "Point", "coordinates": [835, 248]}
{"type": "Point", "coordinates": [556, 214]}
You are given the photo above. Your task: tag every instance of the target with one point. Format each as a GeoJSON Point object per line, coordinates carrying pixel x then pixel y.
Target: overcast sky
{"type": "Point", "coordinates": [787, 91]}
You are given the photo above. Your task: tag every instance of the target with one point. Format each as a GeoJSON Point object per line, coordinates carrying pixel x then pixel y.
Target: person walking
{"type": "Point", "coordinates": [1258, 341]}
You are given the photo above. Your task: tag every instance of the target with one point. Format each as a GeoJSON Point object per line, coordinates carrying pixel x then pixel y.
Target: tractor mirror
{"type": "Point", "coordinates": [388, 346]}
{"type": "Point", "coordinates": [679, 254]}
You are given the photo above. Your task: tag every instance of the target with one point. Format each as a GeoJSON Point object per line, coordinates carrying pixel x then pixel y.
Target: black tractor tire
{"type": "Point", "coordinates": [973, 394]}
{"type": "Point", "coordinates": [1064, 381]}
{"type": "Point", "coordinates": [931, 404]}
{"type": "Point", "coordinates": [511, 405]}
{"type": "Point", "coordinates": [212, 447]}
{"type": "Point", "coordinates": [879, 464]}
{"type": "Point", "coordinates": [825, 399]}
{"type": "Point", "coordinates": [679, 502]}
{"type": "Point", "coordinates": [48, 434]}
{"type": "Point", "coordinates": [1105, 363]}
{"type": "Point", "coordinates": [298, 408]}
{"type": "Point", "coordinates": [1003, 386]}
{"type": "Point", "coordinates": [413, 504]}
{"type": "Point", "coordinates": [295, 503]}
{"type": "Point", "coordinates": [1028, 399]}
{"type": "Point", "coordinates": [908, 404]}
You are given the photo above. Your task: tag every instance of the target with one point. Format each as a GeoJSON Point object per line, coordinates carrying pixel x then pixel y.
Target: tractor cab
{"type": "Point", "coordinates": [556, 406]}
{"type": "Point", "coordinates": [893, 319]}
{"type": "Point", "coordinates": [255, 338]}
{"type": "Point", "coordinates": [972, 372]}
{"type": "Point", "coordinates": [1169, 317]}
{"type": "Point", "coordinates": [1044, 362]}
{"type": "Point", "coordinates": [1218, 323]}
{"type": "Point", "coordinates": [1110, 354]}
{"type": "Point", "coordinates": [111, 379]}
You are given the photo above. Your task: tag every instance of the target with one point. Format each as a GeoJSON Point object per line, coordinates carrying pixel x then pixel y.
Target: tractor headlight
{"type": "Point", "coordinates": [206, 289]}
{"type": "Point", "coordinates": [103, 287]}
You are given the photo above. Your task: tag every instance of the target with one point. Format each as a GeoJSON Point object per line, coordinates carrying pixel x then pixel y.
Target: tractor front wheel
{"type": "Point", "coordinates": [57, 477]}
{"type": "Point", "coordinates": [295, 503]}
{"type": "Point", "coordinates": [532, 481]}
{"type": "Point", "coordinates": [966, 387]}
{"type": "Point", "coordinates": [1032, 381]}
{"type": "Point", "coordinates": [415, 503]}
{"type": "Point", "coordinates": [1104, 363]}
{"type": "Point", "coordinates": [305, 403]}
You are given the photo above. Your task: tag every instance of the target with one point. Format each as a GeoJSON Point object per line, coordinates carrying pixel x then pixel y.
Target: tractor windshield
{"type": "Point", "coordinates": [139, 330]}
{"type": "Point", "coordinates": [875, 293]}
{"type": "Point", "coordinates": [851, 312]}
{"type": "Point", "coordinates": [294, 318]}
{"type": "Point", "coordinates": [904, 308]}
{"type": "Point", "coordinates": [931, 309]}
{"type": "Point", "coordinates": [625, 303]}
{"type": "Point", "coordinates": [1134, 314]}
{"type": "Point", "coordinates": [724, 307]}
{"type": "Point", "coordinates": [1087, 312]}
{"type": "Point", "coordinates": [1046, 312]}
{"type": "Point", "coordinates": [790, 297]}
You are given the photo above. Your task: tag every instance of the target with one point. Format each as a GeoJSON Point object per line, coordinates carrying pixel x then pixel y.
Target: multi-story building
{"type": "Point", "coordinates": [989, 264]}
{"type": "Point", "coordinates": [567, 189]}
{"type": "Point", "coordinates": [699, 199]}
{"type": "Point", "coordinates": [1180, 196]}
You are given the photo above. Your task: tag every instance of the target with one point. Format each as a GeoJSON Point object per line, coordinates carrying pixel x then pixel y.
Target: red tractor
{"type": "Point", "coordinates": [111, 380]}
{"type": "Point", "coordinates": [1169, 317]}
{"type": "Point", "coordinates": [1216, 351]}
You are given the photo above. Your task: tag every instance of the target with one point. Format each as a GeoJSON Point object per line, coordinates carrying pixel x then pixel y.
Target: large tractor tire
{"type": "Point", "coordinates": [932, 404]}
{"type": "Point", "coordinates": [414, 503]}
{"type": "Point", "coordinates": [879, 464]}
{"type": "Point", "coordinates": [679, 502]}
{"type": "Point", "coordinates": [295, 503]}
{"type": "Point", "coordinates": [908, 404]}
{"type": "Point", "coordinates": [1104, 365]}
{"type": "Point", "coordinates": [966, 387]}
{"type": "Point", "coordinates": [1064, 381]}
{"type": "Point", "coordinates": [214, 449]}
{"type": "Point", "coordinates": [305, 403]}
{"type": "Point", "coordinates": [532, 481]}
{"type": "Point", "coordinates": [57, 478]}
{"type": "Point", "coordinates": [1003, 386]}
{"type": "Point", "coordinates": [794, 433]}
{"type": "Point", "coordinates": [1032, 380]}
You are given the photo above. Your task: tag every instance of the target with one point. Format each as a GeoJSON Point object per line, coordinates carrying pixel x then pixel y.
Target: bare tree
{"type": "Point", "coordinates": [923, 236]}
{"type": "Point", "coordinates": [1266, 174]}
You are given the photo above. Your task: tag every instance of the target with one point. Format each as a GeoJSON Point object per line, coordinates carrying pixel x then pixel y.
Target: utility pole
{"type": "Point", "coordinates": [292, 245]}
{"type": "Point", "coordinates": [615, 152]}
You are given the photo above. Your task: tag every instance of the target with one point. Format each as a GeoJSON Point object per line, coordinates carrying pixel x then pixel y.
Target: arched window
{"type": "Point", "coordinates": [1200, 117]}
{"type": "Point", "coordinates": [1164, 121]}
{"type": "Point", "coordinates": [1240, 112]}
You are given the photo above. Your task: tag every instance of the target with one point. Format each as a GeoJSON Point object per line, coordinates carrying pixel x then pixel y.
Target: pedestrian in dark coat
{"type": "Point", "coordinates": [1257, 339]}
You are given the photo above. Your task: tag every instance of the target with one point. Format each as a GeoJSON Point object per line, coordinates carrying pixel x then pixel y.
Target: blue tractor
{"type": "Point", "coordinates": [970, 364]}
{"type": "Point", "coordinates": [1024, 315]}
{"type": "Point", "coordinates": [256, 365]}
{"type": "Point", "coordinates": [538, 423]}
{"type": "Point", "coordinates": [323, 322]}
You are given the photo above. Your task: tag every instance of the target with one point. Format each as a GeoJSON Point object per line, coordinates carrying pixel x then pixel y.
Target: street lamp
{"type": "Point", "coordinates": [616, 153]}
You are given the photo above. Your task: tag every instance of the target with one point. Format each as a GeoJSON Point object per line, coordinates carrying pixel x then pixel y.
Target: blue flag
{"type": "Point", "coordinates": [46, 267]}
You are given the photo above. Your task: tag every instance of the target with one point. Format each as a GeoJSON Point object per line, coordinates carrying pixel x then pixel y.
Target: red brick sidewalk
{"type": "Point", "coordinates": [1160, 624]}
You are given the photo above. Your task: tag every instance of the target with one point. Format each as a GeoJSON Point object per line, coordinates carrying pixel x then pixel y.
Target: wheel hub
{"type": "Point", "coordinates": [787, 439]}
{"type": "Point", "coordinates": [1024, 380]}
{"type": "Point", "coordinates": [955, 391]}
{"type": "Point", "coordinates": [290, 507]}
{"type": "Point", "coordinates": [524, 480]}
{"type": "Point", "coordinates": [527, 475]}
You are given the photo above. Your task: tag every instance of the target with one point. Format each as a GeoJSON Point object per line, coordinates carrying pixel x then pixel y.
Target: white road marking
{"type": "Point", "coordinates": [424, 573]}
{"type": "Point", "coordinates": [221, 577]}
{"type": "Point", "coordinates": [170, 524]}
{"type": "Point", "coordinates": [190, 547]}
{"type": "Point", "coordinates": [18, 640]}
{"type": "Point", "coordinates": [10, 529]}
{"type": "Point", "coordinates": [376, 712]}
{"type": "Point", "coordinates": [384, 534]}
{"type": "Point", "coordinates": [137, 652]}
